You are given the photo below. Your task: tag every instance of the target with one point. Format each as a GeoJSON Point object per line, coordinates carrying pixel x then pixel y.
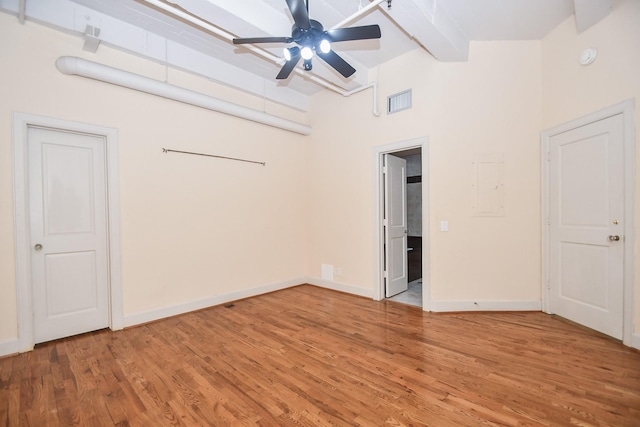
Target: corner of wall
{"type": "Point", "coordinates": [340, 287]}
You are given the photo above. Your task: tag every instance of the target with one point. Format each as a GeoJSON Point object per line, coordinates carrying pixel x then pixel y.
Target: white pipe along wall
{"type": "Point", "coordinates": [71, 65]}
{"type": "Point", "coordinates": [374, 86]}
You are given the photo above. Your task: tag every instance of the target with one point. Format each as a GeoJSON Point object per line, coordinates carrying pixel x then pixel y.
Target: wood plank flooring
{"type": "Point", "coordinates": [307, 356]}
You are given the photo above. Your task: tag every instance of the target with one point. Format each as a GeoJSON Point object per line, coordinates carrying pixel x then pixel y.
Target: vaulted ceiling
{"type": "Point", "coordinates": [194, 35]}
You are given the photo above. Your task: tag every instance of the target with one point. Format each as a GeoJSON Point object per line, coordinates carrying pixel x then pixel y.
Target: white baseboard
{"type": "Point", "coordinates": [173, 310]}
{"type": "Point", "coordinates": [9, 347]}
{"type": "Point", "coordinates": [484, 305]}
{"type": "Point", "coordinates": [342, 287]}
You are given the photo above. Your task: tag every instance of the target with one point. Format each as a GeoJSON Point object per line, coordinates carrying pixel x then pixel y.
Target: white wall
{"type": "Point", "coordinates": [498, 102]}
{"type": "Point", "coordinates": [192, 227]}
{"type": "Point", "coordinates": [571, 90]}
{"type": "Point", "coordinates": [490, 104]}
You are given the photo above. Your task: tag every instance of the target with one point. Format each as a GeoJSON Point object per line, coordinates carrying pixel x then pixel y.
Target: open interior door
{"type": "Point", "coordinates": [395, 221]}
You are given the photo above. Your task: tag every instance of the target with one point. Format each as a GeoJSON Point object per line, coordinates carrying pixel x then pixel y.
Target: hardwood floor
{"type": "Point", "coordinates": [309, 356]}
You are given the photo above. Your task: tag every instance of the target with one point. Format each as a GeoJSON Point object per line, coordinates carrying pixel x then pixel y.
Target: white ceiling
{"type": "Point", "coordinates": [509, 19]}
{"type": "Point", "coordinates": [441, 27]}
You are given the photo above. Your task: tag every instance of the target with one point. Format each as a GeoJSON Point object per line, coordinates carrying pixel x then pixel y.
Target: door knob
{"type": "Point", "coordinates": [614, 238]}
{"type": "Point", "coordinates": [38, 247]}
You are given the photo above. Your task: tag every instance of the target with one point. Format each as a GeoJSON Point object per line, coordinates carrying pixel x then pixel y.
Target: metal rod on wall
{"type": "Point", "coordinates": [167, 150]}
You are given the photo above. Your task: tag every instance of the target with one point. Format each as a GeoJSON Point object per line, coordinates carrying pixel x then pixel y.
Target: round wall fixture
{"type": "Point", "coordinates": [588, 56]}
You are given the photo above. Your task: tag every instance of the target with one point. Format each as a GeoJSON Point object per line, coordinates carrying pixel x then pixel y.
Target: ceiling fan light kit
{"type": "Point", "coordinates": [306, 52]}
{"type": "Point", "coordinates": [325, 46]}
{"type": "Point", "coordinates": [312, 39]}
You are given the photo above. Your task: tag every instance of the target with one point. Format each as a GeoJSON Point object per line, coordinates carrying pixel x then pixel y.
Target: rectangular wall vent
{"type": "Point", "coordinates": [399, 101]}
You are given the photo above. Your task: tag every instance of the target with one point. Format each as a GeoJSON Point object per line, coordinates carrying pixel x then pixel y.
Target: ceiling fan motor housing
{"type": "Point", "coordinates": [309, 37]}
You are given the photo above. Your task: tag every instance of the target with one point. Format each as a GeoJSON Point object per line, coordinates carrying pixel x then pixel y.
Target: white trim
{"type": "Point", "coordinates": [544, 203]}
{"type": "Point", "coordinates": [21, 221]}
{"type": "Point", "coordinates": [426, 228]}
{"type": "Point", "coordinates": [484, 305]}
{"type": "Point", "coordinates": [186, 307]}
{"type": "Point", "coordinates": [340, 287]}
{"type": "Point", "coordinates": [115, 260]}
{"type": "Point", "coordinates": [21, 122]}
{"type": "Point", "coordinates": [635, 341]}
{"type": "Point", "coordinates": [378, 209]}
{"type": "Point", "coordinates": [626, 108]}
{"type": "Point", "coordinates": [9, 347]}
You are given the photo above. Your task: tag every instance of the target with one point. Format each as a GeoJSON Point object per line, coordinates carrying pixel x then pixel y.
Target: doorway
{"type": "Point", "coordinates": [67, 229]}
{"type": "Point", "coordinates": [588, 217]}
{"type": "Point", "coordinates": [400, 239]}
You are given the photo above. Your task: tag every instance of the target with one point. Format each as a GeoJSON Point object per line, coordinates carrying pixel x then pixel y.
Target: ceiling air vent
{"type": "Point", "coordinates": [399, 101]}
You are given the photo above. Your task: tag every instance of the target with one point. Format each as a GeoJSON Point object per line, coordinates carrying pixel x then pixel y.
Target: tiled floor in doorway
{"type": "Point", "coordinates": [412, 296]}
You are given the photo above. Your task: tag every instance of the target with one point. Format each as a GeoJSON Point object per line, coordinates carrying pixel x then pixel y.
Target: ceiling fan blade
{"type": "Point", "coordinates": [300, 14]}
{"type": "Point", "coordinates": [288, 66]}
{"type": "Point", "coordinates": [337, 62]}
{"type": "Point", "coordinates": [354, 33]}
{"type": "Point", "coordinates": [252, 40]}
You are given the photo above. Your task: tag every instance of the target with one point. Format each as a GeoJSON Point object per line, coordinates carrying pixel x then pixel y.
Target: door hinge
{"type": "Point", "coordinates": [548, 156]}
{"type": "Point", "coordinates": [385, 222]}
{"type": "Point", "coordinates": [548, 221]}
{"type": "Point", "coordinates": [384, 169]}
{"type": "Point", "coordinates": [385, 275]}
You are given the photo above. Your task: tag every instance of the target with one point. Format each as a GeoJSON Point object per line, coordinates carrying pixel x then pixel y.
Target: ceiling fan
{"type": "Point", "coordinates": [312, 38]}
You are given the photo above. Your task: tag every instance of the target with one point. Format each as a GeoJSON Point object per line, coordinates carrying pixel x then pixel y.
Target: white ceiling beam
{"type": "Point", "coordinates": [244, 18]}
{"type": "Point", "coordinates": [431, 27]}
{"type": "Point", "coordinates": [257, 14]}
{"type": "Point", "coordinates": [590, 12]}
{"type": "Point", "coordinates": [73, 17]}
{"type": "Point", "coordinates": [21, 12]}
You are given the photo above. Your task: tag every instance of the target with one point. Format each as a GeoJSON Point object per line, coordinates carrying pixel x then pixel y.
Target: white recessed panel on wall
{"type": "Point", "coordinates": [487, 185]}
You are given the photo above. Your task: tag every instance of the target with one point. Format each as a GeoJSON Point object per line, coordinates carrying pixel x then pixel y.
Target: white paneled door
{"type": "Point", "coordinates": [395, 215]}
{"type": "Point", "coordinates": [586, 201]}
{"type": "Point", "coordinates": [68, 233]}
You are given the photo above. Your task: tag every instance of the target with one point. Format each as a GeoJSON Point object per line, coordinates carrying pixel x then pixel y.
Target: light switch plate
{"type": "Point", "coordinates": [444, 225]}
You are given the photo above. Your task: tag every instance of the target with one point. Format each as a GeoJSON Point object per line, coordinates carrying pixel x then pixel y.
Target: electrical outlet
{"type": "Point", "coordinates": [337, 271]}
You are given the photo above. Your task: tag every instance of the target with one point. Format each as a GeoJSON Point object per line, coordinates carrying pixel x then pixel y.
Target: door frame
{"type": "Point", "coordinates": [378, 215]}
{"type": "Point", "coordinates": [21, 124]}
{"type": "Point", "coordinates": [626, 109]}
